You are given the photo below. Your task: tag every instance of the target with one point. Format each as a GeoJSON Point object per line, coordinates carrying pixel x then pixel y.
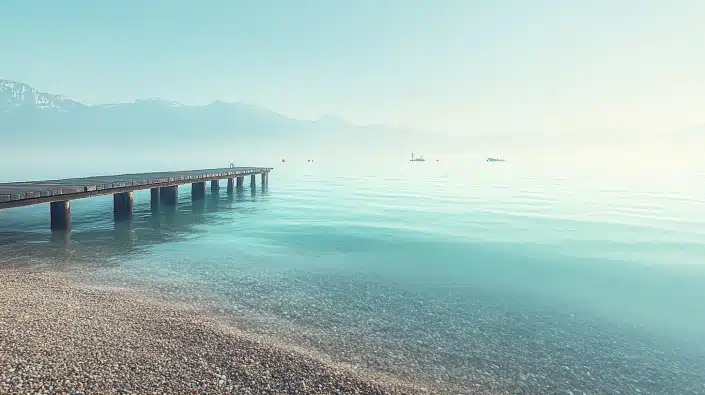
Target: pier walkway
{"type": "Point", "coordinates": [163, 186]}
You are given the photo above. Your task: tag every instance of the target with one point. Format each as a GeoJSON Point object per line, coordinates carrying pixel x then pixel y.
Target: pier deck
{"type": "Point", "coordinates": [162, 184]}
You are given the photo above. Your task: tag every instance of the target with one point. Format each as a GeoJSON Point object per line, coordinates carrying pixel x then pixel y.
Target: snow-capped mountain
{"type": "Point", "coordinates": [29, 117]}
{"type": "Point", "coordinates": [16, 95]}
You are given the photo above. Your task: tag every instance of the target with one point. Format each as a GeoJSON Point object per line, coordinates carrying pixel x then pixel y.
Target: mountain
{"type": "Point", "coordinates": [16, 96]}
{"type": "Point", "coordinates": [29, 118]}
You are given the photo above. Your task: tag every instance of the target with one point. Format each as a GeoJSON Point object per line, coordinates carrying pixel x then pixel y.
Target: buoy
{"type": "Point", "coordinates": [283, 160]}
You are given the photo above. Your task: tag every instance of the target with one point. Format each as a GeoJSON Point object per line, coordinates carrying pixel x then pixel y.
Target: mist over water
{"type": "Point", "coordinates": [582, 267]}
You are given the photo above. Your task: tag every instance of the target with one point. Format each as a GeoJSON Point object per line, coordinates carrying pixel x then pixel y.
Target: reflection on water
{"type": "Point", "coordinates": [97, 240]}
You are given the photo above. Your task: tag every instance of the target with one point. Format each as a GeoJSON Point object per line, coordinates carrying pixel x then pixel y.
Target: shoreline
{"type": "Point", "coordinates": [57, 336]}
{"type": "Point", "coordinates": [111, 336]}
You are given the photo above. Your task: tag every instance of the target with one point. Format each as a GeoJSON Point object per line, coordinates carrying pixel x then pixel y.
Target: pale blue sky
{"type": "Point", "coordinates": [460, 66]}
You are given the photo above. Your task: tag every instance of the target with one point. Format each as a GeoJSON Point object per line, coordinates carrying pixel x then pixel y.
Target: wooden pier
{"type": "Point", "coordinates": [163, 187]}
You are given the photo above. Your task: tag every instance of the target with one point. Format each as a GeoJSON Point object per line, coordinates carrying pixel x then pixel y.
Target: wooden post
{"type": "Point", "coordinates": [123, 205]}
{"type": "Point", "coordinates": [155, 198]}
{"type": "Point", "coordinates": [253, 179]}
{"type": "Point", "coordinates": [60, 215]}
{"type": "Point", "coordinates": [231, 185]}
{"type": "Point", "coordinates": [240, 182]}
{"type": "Point", "coordinates": [169, 195]}
{"type": "Point", "coordinates": [198, 190]}
{"type": "Point", "coordinates": [215, 186]}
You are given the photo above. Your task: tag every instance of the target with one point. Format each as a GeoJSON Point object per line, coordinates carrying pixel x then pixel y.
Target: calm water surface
{"type": "Point", "coordinates": [523, 277]}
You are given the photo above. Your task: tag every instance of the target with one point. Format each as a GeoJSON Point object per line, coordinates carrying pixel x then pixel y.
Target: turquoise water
{"type": "Point", "coordinates": [523, 276]}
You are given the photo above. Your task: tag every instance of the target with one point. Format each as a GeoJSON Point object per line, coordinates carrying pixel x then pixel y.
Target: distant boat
{"type": "Point", "coordinates": [495, 160]}
{"type": "Point", "coordinates": [417, 159]}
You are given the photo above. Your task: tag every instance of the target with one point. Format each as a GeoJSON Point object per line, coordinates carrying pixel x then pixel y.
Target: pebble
{"type": "Point", "coordinates": [53, 332]}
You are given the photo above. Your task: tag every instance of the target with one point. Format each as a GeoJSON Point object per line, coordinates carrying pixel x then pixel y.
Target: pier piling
{"type": "Point", "coordinates": [215, 186]}
{"type": "Point", "coordinates": [198, 190]}
{"type": "Point", "coordinates": [154, 198]}
{"type": "Point", "coordinates": [60, 215]}
{"type": "Point", "coordinates": [231, 185]}
{"type": "Point", "coordinates": [169, 195]}
{"type": "Point", "coordinates": [123, 205]}
{"type": "Point", "coordinates": [253, 181]}
{"type": "Point", "coordinates": [240, 182]}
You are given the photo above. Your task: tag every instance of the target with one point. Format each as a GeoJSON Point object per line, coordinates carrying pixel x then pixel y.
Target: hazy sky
{"type": "Point", "coordinates": [463, 65]}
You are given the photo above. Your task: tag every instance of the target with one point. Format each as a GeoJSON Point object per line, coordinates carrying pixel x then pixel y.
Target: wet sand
{"type": "Point", "coordinates": [60, 337]}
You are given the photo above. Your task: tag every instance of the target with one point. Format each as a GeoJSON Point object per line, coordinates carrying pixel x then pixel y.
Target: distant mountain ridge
{"type": "Point", "coordinates": [16, 95]}
{"type": "Point", "coordinates": [25, 110]}
{"type": "Point", "coordinates": [30, 119]}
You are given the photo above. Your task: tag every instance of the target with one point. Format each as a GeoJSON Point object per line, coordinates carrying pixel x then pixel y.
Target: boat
{"type": "Point", "coordinates": [417, 158]}
{"type": "Point", "coordinates": [495, 160]}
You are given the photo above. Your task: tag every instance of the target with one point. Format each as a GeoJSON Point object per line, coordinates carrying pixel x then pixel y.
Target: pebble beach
{"type": "Point", "coordinates": [60, 338]}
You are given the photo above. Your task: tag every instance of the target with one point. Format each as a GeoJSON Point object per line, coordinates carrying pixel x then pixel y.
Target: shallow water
{"type": "Point", "coordinates": [523, 276]}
